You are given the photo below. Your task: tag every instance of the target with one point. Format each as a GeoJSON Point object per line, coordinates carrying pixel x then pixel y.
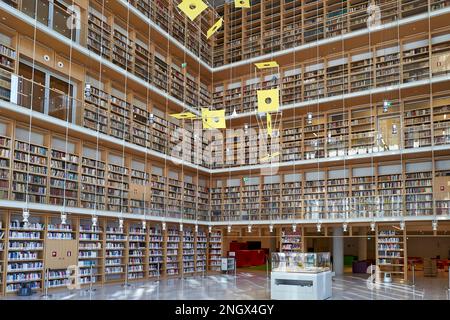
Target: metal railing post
{"type": "Point", "coordinates": [46, 283]}
{"type": "Point", "coordinates": [126, 284]}
{"type": "Point", "coordinates": [91, 279]}
{"type": "Point", "coordinates": [414, 275]}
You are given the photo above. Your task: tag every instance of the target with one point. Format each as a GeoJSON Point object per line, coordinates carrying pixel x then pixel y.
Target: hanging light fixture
{"type": "Point", "coordinates": [434, 225]}
{"type": "Point", "coordinates": [402, 225]}
{"type": "Point", "coordinates": [94, 221]}
{"type": "Point", "coordinates": [120, 223]}
{"type": "Point", "coordinates": [209, 229]}
{"type": "Point", "coordinates": [234, 114]}
{"type": "Point", "coordinates": [249, 228]}
{"type": "Point", "coordinates": [63, 218]}
{"type": "Point", "coordinates": [181, 227]}
{"type": "Point", "coordinates": [25, 216]}
{"type": "Point", "coordinates": [229, 228]}
{"type": "Point", "coordinates": [372, 226]}
{"type": "Point", "coordinates": [386, 105]}
{"type": "Point", "coordinates": [87, 90]}
{"type": "Point", "coordinates": [151, 118]}
{"type": "Point", "coordinates": [294, 228]}
{"type": "Point", "coordinates": [319, 226]}
{"type": "Point", "coordinates": [144, 224]}
{"type": "Point", "coordinates": [196, 228]}
{"type": "Point", "coordinates": [246, 128]}
{"type": "Point", "coordinates": [394, 129]}
{"type": "Point", "coordinates": [163, 226]}
{"type": "Point", "coordinates": [271, 228]}
{"type": "Point", "coordinates": [344, 226]}
{"type": "Point", "coordinates": [309, 118]}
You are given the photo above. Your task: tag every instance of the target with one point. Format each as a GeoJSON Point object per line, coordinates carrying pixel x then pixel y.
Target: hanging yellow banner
{"type": "Point", "coordinates": [268, 100]}
{"type": "Point", "coordinates": [242, 3]}
{"type": "Point", "coordinates": [214, 28]}
{"type": "Point", "coordinates": [192, 8]}
{"type": "Point", "coordinates": [267, 65]}
{"type": "Point", "coordinates": [213, 119]}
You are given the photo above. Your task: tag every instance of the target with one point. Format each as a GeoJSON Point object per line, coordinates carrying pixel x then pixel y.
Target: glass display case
{"type": "Point", "coordinates": [301, 262]}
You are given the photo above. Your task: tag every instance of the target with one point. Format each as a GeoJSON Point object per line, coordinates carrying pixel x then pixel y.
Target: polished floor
{"type": "Point", "coordinates": [251, 286]}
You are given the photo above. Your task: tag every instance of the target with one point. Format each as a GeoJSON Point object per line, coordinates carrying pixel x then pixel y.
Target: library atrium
{"type": "Point", "coordinates": [221, 149]}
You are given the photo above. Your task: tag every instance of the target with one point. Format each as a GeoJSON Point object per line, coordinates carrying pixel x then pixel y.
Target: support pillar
{"type": "Point", "coordinates": [338, 251]}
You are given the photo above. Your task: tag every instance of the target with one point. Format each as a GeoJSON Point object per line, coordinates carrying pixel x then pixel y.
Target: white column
{"type": "Point", "coordinates": [338, 250]}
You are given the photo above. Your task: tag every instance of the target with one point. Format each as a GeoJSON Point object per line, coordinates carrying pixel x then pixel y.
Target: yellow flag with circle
{"type": "Point", "coordinates": [268, 100]}
{"type": "Point", "coordinates": [242, 3]}
{"type": "Point", "coordinates": [213, 119]}
{"type": "Point", "coordinates": [192, 8]}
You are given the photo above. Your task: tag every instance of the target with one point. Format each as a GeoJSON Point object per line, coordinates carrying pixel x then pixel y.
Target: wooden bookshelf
{"type": "Point", "coordinates": [338, 191]}
{"type": "Point", "coordinates": [364, 191]}
{"type": "Point", "coordinates": [291, 200]}
{"type": "Point", "coordinates": [215, 250]}
{"type": "Point", "coordinates": [390, 192]}
{"type": "Point", "coordinates": [5, 160]}
{"type": "Point", "coordinates": [203, 206]}
{"type": "Point", "coordinates": [417, 124]}
{"type": "Point", "coordinates": [291, 241]}
{"type": "Point", "coordinates": [419, 189]}
{"type": "Point", "coordinates": [216, 203]}
{"type": "Point", "coordinates": [416, 57]}
{"type": "Point", "coordinates": [314, 195]}
{"type": "Point", "coordinates": [201, 251]}
{"type": "Point", "coordinates": [251, 198]}
{"type": "Point", "coordinates": [115, 251]}
{"type": "Point", "coordinates": [3, 248]}
{"type": "Point", "coordinates": [189, 249]}
{"type": "Point", "coordinates": [173, 250]}
{"type": "Point", "coordinates": [96, 107]}
{"type": "Point", "coordinates": [189, 199]}
{"type": "Point", "coordinates": [93, 179]}
{"type": "Point", "coordinates": [174, 197]}
{"type": "Point", "coordinates": [314, 136]}
{"type": "Point", "coordinates": [99, 33]}
{"type": "Point", "coordinates": [118, 184]}
{"type": "Point", "coordinates": [156, 252]}
{"type": "Point", "coordinates": [90, 252]}
{"type": "Point", "coordinates": [143, 60]}
{"type": "Point", "coordinates": [8, 64]}
{"type": "Point", "coordinates": [391, 252]}
{"type": "Point", "coordinates": [30, 168]}
{"type": "Point", "coordinates": [441, 193]}
{"type": "Point", "coordinates": [441, 120]}
{"type": "Point", "coordinates": [271, 27]}
{"type": "Point", "coordinates": [270, 199]}
{"type": "Point", "coordinates": [119, 117]}
{"type": "Point", "coordinates": [123, 46]}
{"type": "Point", "coordinates": [362, 131]}
{"type": "Point", "coordinates": [64, 173]}
{"type": "Point", "coordinates": [25, 253]}
{"type": "Point", "coordinates": [337, 136]}
{"type": "Point", "coordinates": [55, 230]}
{"type": "Point", "coordinates": [137, 253]}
